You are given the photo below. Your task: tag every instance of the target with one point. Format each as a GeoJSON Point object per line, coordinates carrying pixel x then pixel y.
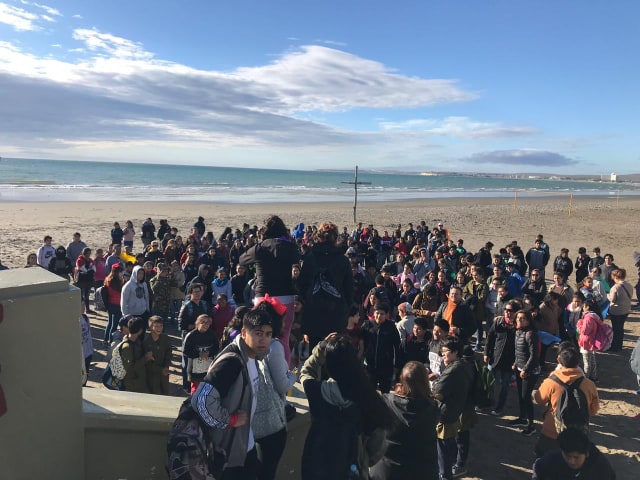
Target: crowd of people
{"type": "Point", "coordinates": [411, 314]}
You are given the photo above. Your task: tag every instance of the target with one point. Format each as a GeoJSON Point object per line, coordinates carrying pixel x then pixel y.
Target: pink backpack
{"type": "Point", "coordinates": [604, 336]}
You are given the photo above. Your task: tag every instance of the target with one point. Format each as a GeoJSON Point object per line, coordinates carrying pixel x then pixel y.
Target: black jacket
{"type": "Point", "coordinates": [501, 345]}
{"type": "Point", "coordinates": [463, 319]}
{"type": "Point", "coordinates": [322, 315]}
{"type": "Point", "coordinates": [381, 346]}
{"type": "Point", "coordinates": [553, 467]}
{"type": "Point", "coordinates": [411, 444]}
{"type": "Point", "coordinates": [273, 258]}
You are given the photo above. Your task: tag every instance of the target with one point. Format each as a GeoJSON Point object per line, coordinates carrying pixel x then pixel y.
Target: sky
{"type": "Point", "coordinates": [497, 86]}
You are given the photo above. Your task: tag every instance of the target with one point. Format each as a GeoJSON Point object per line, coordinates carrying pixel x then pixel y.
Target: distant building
{"type": "Point", "coordinates": [614, 178]}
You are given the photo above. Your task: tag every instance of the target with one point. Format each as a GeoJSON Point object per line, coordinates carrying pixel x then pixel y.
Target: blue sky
{"type": "Point", "coordinates": [479, 86]}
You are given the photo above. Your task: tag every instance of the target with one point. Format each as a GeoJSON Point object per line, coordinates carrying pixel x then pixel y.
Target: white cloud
{"type": "Point", "coordinates": [18, 18]}
{"type": "Point", "coordinates": [460, 127]}
{"type": "Point", "coordinates": [321, 78]}
{"type": "Point", "coordinates": [50, 10]}
{"type": "Point", "coordinates": [77, 16]}
{"type": "Point", "coordinates": [111, 45]}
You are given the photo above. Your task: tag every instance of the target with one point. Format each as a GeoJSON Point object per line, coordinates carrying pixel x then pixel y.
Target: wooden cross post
{"type": "Point", "coordinates": [355, 184]}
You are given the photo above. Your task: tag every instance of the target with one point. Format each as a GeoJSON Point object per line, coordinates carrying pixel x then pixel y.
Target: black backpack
{"type": "Point", "coordinates": [324, 294]}
{"type": "Point", "coordinates": [572, 410]}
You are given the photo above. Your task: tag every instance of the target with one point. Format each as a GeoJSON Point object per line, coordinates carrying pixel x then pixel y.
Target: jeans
{"type": "Point", "coordinates": [617, 324]}
{"type": "Point", "coordinates": [84, 294]}
{"type": "Point", "coordinates": [590, 366]}
{"type": "Point", "coordinates": [447, 455]}
{"type": "Point", "coordinates": [525, 388]}
{"type": "Point", "coordinates": [463, 444]}
{"type": "Point", "coordinates": [270, 450]}
{"type": "Point", "coordinates": [115, 314]}
{"type": "Point", "coordinates": [503, 378]}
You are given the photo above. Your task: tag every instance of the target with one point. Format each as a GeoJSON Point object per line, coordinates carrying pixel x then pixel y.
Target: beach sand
{"type": "Point", "coordinates": [497, 451]}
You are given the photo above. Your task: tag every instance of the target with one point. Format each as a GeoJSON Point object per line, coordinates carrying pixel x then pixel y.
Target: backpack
{"type": "Point", "coordinates": [572, 410]}
{"type": "Point", "coordinates": [482, 389]}
{"type": "Point", "coordinates": [101, 298]}
{"type": "Point", "coordinates": [324, 293]}
{"type": "Point", "coordinates": [117, 366]}
{"type": "Point", "coordinates": [190, 450]}
{"type": "Point", "coordinates": [347, 458]}
{"type": "Point", "coordinates": [603, 337]}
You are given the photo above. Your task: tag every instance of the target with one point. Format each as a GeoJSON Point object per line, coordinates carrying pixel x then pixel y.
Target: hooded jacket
{"type": "Point", "coordinates": [550, 392]}
{"type": "Point", "coordinates": [411, 445]}
{"type": "Point", "coordinates": [135, 295]}
{"type": "Point", "coordinates": [328, 407]}
{"type": "Point", "coordinates": [60, 264]}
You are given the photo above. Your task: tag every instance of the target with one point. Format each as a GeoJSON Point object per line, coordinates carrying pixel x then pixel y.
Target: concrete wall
{"type": "Point", "coordinates": [41, 433]}
{"type": "Point", "coordinates": [55, 429]}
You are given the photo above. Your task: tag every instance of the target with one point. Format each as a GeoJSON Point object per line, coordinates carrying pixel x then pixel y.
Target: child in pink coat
{"type": "Point", "coordinates": [587, 328]}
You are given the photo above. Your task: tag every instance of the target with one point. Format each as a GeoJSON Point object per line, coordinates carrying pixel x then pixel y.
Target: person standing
{"type": "Point", "coordinates": [159, 345]}
{"type": "Point", "coordinates": [550, 392]}
{"type": "Point", "coordinates": [75, 248]}
{"type": "Point", "coordinates": [226, 398]}
{"type": "Point", "coordinates": [499, 351]}
{"type": "Point", "coordinates": [412, 444]}
{"type": "Point", "coordinates": [46, 252]}
{"type": "Point", "coordinates": [527, 370]}
{"type": "Point", "coordinates": [452, 390]}
{"type": "Point", "coordinates": [537, 258]}
{"type": "Point", "coordinates": [273, 258]}
{"type": "Point", "coordinates": [620, 298]}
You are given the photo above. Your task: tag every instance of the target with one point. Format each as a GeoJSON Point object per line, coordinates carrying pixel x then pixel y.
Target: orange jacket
{"type": "Point", "coordinates": [550, 392]}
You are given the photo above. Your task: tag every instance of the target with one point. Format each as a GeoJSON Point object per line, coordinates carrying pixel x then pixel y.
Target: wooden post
{"type": "Point", "coordinates": [570, 203]}
{"type": "Point", "coordinates": [515, 199]}
{"type": "Point", "coordinates": [355, 184]}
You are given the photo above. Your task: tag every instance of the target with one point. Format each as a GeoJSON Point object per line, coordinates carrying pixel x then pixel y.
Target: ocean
{"type": "Point", "coordinates": [58, 180]}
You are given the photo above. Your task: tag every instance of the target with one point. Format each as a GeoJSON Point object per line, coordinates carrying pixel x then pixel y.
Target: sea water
{"type": "Point", "coordinates": [59, 180]}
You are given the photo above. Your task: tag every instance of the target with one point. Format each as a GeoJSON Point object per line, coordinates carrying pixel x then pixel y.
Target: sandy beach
{"type": "Point", "coordinates": [497, 451]}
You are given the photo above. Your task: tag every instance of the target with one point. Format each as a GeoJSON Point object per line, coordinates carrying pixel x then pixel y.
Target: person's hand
{"type": "Point", "coordinates": [305, 338]}
{"type": "Point", "coordinates": [432, 376]}
{"type": "Point", "coordinates": [165, 372]}
{"type": "Point", "coordinates": [242, 420]}
{"type": "Point", "coordinates": [149, 357]}
{"type": "Point", "coordinates": [523, 374]}
{"type": "Point", "coordinates": [486, 359]}
{"type": "Point", "coordinates": [330, 336]}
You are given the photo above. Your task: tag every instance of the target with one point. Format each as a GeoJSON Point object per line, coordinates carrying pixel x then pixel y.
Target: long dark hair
{"type": "Point", "coordinates": [344, 367]}
{"type": "Point", "coordinates": [274, 227]}
{"type": "Point", "coordinates": [113, 280]}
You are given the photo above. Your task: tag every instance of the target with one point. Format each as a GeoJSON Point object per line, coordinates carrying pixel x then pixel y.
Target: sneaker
{"type": "Point", "coordinates": [496, 413]}
{"type": "Point", "coordinates": [528, 430]}
{"type": "Point", "coordinates": [518, 422]}
{"type": "Point", "coordinates": [458, 471]}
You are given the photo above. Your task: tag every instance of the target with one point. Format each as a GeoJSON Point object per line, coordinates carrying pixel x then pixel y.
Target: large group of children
{"type": "Point", "coordinates": [419, 296]}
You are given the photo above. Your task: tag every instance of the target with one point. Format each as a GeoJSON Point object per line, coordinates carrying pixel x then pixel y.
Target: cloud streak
{"type": "Point", "coordinates": [459, 127]}
{"type": "Point", "coordinates": [524, 157]}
